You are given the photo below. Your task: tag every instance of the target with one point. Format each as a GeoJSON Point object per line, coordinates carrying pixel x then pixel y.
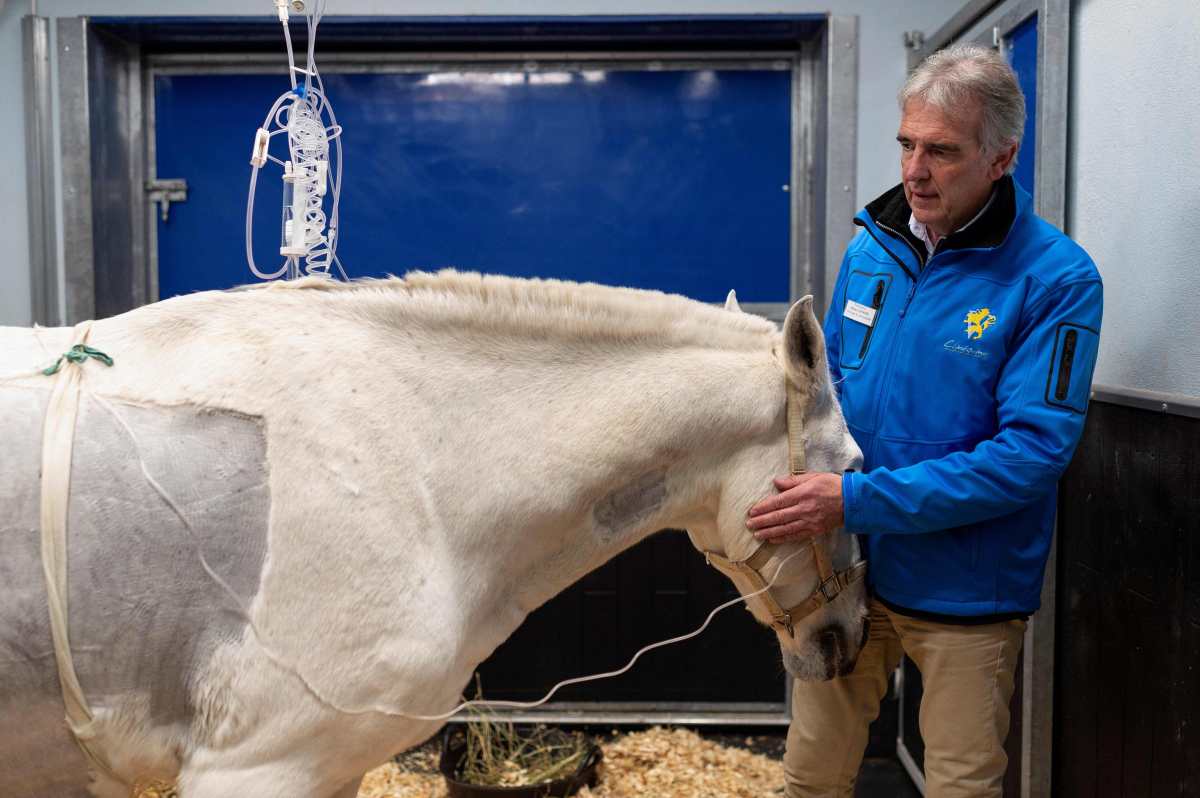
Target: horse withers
{"type": "Point", "coordinates": [300, 515]}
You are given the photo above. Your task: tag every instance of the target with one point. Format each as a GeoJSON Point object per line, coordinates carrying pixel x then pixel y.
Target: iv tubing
{"type": "Point", "coordinates": [242, 610]}
{"type": "Point", "coordinates": [260, 638]}
{"type": "Point", "coordinates": [309, 233]}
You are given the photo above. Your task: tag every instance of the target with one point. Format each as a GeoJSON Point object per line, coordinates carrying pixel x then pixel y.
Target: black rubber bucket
{"type": "Point", "coordinates": [454, 748]}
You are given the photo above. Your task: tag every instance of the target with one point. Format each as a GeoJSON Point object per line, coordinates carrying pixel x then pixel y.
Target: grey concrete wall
{"type": "Point", "coordinates": [1134, 178]}
{"type": "Point", "coordinates": [881, 70]}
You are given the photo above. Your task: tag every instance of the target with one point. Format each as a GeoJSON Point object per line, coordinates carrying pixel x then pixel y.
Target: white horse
{"type": "Point", "coordinates": [302, 514]}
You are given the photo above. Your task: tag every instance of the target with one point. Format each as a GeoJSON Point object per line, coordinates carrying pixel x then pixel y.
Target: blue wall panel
{"type": "Point", "coordinates": [1023, 55]}
{"type": "Point", "coordinates": [663, 179]}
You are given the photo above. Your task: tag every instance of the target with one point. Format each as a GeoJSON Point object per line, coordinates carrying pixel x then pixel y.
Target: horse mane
{"type": "Point", "coordinates": [517, 306]}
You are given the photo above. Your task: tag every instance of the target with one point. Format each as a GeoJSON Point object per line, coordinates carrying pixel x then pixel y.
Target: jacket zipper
{"type": "Point", "coordinates": [1064, 365]}
{"type": "Point", "coordinates": [876, 303]}
{"type": "Point", "coordinates": [920, 258]}
{"type": "Point", "coordinates": [899, 262]}
{"type": "Point", "coordinates": [896, 336]}
{"type": "Point", "coordinates": [913, 279]}
{"type": "Point", "coordinates": [912, 290]}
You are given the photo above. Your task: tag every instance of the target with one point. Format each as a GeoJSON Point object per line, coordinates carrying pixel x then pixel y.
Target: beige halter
{"type": "Point", "coordinates": [749, 570]}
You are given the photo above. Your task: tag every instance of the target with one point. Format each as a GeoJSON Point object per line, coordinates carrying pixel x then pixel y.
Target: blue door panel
{"type": "Point", "coordinates": [1023, 56]}
{"type": "Point", "coordinates": [662, 179]}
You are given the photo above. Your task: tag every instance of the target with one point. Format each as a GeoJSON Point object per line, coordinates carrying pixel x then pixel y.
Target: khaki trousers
{"type": "Point", "coordinates": [967, 674]}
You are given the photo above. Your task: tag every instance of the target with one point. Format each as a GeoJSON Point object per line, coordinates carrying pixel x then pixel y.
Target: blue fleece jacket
{"type": "Point", "coordinates": [965, 380]}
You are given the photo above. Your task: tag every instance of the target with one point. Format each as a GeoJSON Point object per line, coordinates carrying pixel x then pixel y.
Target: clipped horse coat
{"type": "Point", "coordinates": [300, 515]}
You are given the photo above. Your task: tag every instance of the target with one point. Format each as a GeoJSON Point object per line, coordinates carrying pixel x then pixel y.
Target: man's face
{"type": "Point", "coordinates": [947, 175]}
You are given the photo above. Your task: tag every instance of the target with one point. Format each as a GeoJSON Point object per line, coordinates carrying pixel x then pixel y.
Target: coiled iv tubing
{"type": "Point", "coordinates": [300, 113]}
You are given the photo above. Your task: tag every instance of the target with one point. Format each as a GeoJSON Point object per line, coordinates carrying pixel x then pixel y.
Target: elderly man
{"type": "Point", "coordinates": [962, 334]}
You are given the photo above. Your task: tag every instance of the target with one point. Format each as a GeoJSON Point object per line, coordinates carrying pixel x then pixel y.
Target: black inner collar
{"type": "Point", "coordinates": [892, 211]}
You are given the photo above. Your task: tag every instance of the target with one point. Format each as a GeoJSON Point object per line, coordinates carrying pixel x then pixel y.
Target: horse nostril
{"type": "Point", "coordinates": [866, 632]}
{"type": "Point", "coordinates": [830, 640]}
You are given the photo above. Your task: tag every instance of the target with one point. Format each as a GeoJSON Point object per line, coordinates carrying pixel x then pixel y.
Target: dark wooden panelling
{"type": "Point", "coordinates": [1016, 723]}
{"type": "Point", "coordinates": [658, 589]}
{"type": "Point", "coordinates": [1127, 715]}
{"type": "Point", "coordinates": [913, 690]}
{"type": "Point", "coordinates": [881, 737]}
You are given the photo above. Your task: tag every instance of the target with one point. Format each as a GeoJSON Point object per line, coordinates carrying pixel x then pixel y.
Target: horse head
{"type": "Point", "coordinates": [816, 602]}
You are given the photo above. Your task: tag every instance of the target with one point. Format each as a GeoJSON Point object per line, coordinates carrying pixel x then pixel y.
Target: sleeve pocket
{"type": "Point", "coordinates": [1069, 382]}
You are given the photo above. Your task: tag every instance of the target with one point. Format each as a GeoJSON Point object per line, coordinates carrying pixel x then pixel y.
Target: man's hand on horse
{"type": "Point", "coordinates": [807, 505]}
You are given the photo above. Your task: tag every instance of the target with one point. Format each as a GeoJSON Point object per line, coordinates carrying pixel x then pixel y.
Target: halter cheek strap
{"type": "Point", "coordinates": [797, 463]}
{"type": "Point", "coordinates": [832, 582]}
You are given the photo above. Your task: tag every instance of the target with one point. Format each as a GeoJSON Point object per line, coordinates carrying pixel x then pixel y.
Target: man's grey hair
{"type": "Point", "coordinates": [964, 72]}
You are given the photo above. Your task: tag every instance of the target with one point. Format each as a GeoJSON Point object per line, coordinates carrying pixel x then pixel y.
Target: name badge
{"type": "Point", "coordinates": [860, 313]}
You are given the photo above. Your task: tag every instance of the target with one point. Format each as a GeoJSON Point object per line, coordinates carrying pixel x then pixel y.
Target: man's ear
{"type": "Point", "coordinates": [803, 345]}
{"type": "Point", "coordinates": [731, 302]}
{"type": "Point", "coordinates": [1002, 161]}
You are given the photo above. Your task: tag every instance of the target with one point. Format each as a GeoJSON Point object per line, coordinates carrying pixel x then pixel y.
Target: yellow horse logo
{"type": "Point", "coordinates": [978, 321]}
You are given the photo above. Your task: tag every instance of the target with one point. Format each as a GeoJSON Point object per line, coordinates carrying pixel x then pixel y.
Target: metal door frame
{"type": "Point", "coordinates": [824, 98]}
{"type": "Point", "coordinates": [990, 22]}
{"type": "Point", "coordinates": [39, 174]}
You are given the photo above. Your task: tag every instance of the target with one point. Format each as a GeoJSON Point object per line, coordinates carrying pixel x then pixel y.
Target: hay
{"type": "Point", "coordinates": [498, 754]}
{"type": "Point", "coordinates": [665, 763]}
{"type": "Point", "coordinates": [154, 788]}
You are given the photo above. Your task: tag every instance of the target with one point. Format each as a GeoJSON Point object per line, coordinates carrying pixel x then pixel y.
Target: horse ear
{"type": "Point", "coordinates": [731, 302]}
{"type": "Point", "coordinates": [803, 344]}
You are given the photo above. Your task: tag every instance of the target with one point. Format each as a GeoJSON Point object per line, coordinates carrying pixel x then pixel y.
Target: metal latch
{"type": "Point", "coordinates": [164, 192]}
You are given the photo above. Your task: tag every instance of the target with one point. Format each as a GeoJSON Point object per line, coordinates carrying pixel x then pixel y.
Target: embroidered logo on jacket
{"type": "Point", "coordinates": [962, 349]}
{"type": "Point", "coordinates": [978, 321]}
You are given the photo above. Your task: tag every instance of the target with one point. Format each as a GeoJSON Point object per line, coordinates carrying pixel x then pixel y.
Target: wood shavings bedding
{"type": "Point", "coordinates": [664, 763]}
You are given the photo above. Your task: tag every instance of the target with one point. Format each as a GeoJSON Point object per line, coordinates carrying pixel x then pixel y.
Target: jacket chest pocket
{"type": "Point", "coordinates": [862, 314]}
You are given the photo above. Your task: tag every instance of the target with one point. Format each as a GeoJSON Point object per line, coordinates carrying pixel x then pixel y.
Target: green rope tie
{"type": "Point", "coordinates": [78, 354]}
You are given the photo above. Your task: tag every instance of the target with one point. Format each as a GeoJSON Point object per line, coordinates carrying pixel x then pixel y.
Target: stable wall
{"type": "Point", "coordinates": [881, 71]}
{"type": "Point", "coordinates": [1134, 172]}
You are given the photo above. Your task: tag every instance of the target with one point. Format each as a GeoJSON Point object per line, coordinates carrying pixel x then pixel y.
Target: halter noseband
{"type": "Point", "coordinates": [831, 583]}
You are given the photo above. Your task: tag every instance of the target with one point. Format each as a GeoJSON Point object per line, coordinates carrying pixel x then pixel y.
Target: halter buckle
{"type": "Point", "coordinates": [831, 587]}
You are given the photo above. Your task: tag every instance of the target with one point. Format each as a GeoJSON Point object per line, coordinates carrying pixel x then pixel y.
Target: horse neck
{"type": "Point", "coordinates": [634, 445]}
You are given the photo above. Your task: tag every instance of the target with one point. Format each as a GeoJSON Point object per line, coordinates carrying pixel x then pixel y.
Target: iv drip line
{"type": "Point", "coordinates": [242, 609]}
{"type": "Point", "coordinates": [301, 114]}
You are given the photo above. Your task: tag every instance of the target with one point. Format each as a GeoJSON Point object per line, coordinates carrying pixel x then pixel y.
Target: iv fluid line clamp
{"type": "Point", "coordinates": [309, 235]}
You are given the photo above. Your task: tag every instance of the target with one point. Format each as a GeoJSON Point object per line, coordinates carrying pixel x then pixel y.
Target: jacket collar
{"type": "Point", "coordinates": [891, 212]}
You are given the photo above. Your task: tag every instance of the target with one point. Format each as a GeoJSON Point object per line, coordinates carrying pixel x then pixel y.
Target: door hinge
{"type": "Point", "coordinates": [914, 39]}
{"type": "Point", "coordinates": [164, 192]}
